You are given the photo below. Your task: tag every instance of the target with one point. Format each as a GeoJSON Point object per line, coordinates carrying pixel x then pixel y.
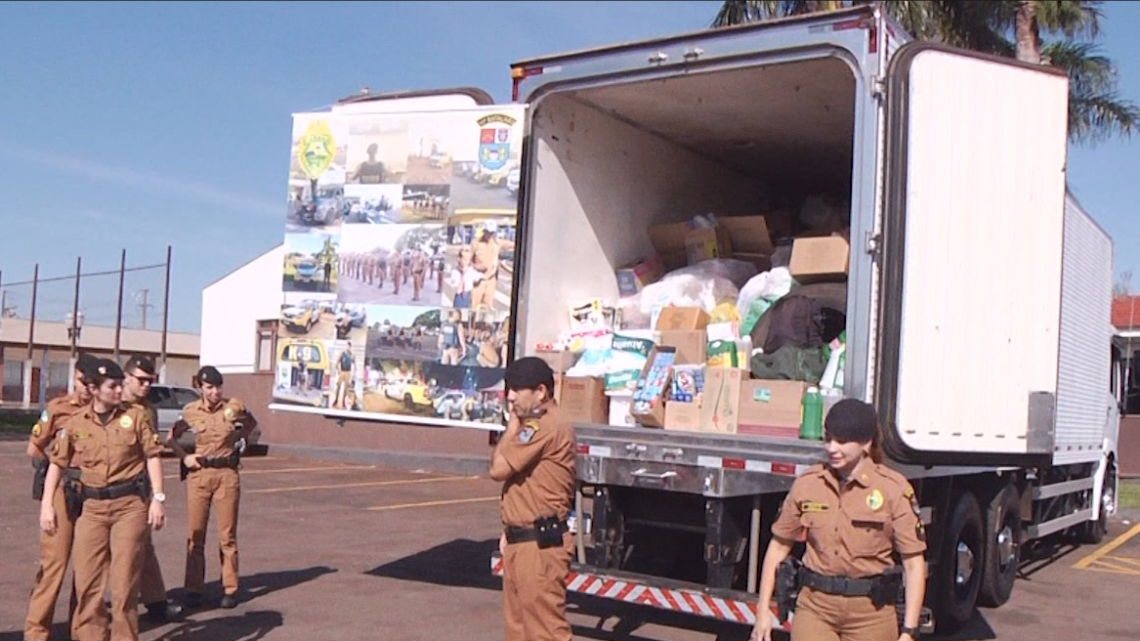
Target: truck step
{"type": "Point", "coordinates": [723, 605]}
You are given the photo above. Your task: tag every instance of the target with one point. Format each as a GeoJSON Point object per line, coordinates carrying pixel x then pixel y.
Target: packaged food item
{"type": "Point", "coordinates": [688, 383]}
{"type": "Point", "coordinates": [723, 354]}
{"type": "Point", "coordinates": [651, 388]}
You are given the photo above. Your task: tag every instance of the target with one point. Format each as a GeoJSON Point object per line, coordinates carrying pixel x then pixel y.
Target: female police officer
{"type": "Point", "coordinates": [117, 452]}
{"type": "Point", "coordinates": [854, 514]}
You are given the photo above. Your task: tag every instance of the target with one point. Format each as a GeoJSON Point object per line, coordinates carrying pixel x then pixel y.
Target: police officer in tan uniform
{"type": "Point", "coordinates": [535, 459]}
{"type": "Point", "coordinates": [140, 373]}
{"type": "Point", "coordinates": [120, 488]}
{"type": "Point", "coordinates": [220, 426]}
{"type": "Point", "coordinates": [486, 262]}
{"type": "Point", "coordinates": [854, 514]}
{"type": "Point", "coordinates": [55, 549]}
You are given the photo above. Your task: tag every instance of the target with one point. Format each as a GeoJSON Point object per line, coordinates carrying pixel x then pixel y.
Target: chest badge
{"type": "Point", "coordinates": [229, 413]}
{"type": "Point", "coordinates": [126, 422]}
{"type": "Point", "coordinates": [875, 500]}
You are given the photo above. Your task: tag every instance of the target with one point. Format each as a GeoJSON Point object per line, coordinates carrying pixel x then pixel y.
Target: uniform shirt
{"type": "Point", "coordinates": [215, 430]}
{"type": "Point", "coordinates": [485, 257]}
{"type": "Point", "coordinates": [56, 413]}
{"type": "Point", "coordinates": [107, 454]}
{"type": "Point", "coordinates": [853, 527]}
{"type": "Point", "coordinates": [543, 457]}
{"type": "Point", "coordinates": [145, 405]}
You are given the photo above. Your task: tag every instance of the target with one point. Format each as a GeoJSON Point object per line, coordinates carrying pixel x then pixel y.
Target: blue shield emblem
{"type": "Point", "coordinates": [494, 147]}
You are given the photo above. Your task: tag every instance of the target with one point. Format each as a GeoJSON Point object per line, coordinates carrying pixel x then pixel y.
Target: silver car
{"type": "Point", "coordinates": [168, 401]}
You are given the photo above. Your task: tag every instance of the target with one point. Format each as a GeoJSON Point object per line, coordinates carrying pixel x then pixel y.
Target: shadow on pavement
{"type": "Point", "coordinates": [250, 626]}
{"type": "Point", "coordinates": [252, 587]}
{"type": "Point", "coordinates": [460, 563]}
{"type": "Point", "coordinates": [628, 618]}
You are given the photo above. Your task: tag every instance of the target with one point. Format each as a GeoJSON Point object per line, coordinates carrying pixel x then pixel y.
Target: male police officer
{"type": "Point", "coordinates": [55, 549]}
{"type": "Point", "coordinates": [140, 373]}
{"type": "Point", "coordinates": [535, 460]}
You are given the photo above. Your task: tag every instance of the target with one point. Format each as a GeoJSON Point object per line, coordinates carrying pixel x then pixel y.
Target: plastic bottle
{"type": "Point", "coordinates": [811, 426]}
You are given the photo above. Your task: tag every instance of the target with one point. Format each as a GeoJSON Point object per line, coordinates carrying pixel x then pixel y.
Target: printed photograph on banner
{"type": "Point", "coordinates": [315, 202]}
{"type": "Point", "coordinates": [311, 263]}
{"type": "Point", "coordinates": [402, 333]}
{"type": "Point", "coordinates": [487, 167]}
{"type": "Point", "coordinates": [471, 394]}
{"type": "Point", "coordinates": [304, 374]}
{"type": "Point", "coordinates": [425, 203]}
{"type": "Point", "coordinates": [378, 149]}
{"type": "Point", "coordinates": [348, 365]}
{"type": "Point", "coordinates": [480, 259]}
{"type": "Point", "coordinates": [434, 141]}
{"type": "Point", "coordinates": [373, 204]}
{"type": "Point", "coordinates": [391, 265]}
{"type": "Point", "coordinates": [474, 339]}
{"type": "Point", "coordinates": [393, 386]}
{"type": "Point", "coordinates": [305, 315]}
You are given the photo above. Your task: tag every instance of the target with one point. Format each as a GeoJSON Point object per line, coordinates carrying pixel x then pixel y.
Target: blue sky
{"type": "Point", "coordinates": [137, 126]}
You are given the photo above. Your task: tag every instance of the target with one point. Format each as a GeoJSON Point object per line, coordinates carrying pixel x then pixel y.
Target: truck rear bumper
{"type": "Point", "coordinates": [723, 605]}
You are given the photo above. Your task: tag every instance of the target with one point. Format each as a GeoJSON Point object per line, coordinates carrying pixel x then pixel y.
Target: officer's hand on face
{"type": "Point", "coordinates": [156, 517]}
{"type": "Point", "coordinates": [47, 518]}
{"type": "Point", "coordinates": [191, 462]}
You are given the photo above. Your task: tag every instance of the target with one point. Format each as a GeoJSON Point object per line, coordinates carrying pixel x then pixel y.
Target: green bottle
{"type": "Point", "coordinates": [811, 425]}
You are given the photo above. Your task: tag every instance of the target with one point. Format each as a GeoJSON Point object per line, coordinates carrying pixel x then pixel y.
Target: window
{"type": "Point", "coordinates": [266, 346]}
{"type": "Point", "coordinates": [184, 396]}
{"type": "Point", "coordinates": [161, 398]}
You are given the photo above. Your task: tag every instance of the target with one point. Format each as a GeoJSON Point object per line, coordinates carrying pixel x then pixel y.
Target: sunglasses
{"type": "Point", "coordinates": [143, 378]}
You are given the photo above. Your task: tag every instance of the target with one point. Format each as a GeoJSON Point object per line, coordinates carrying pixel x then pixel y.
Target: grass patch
{"type": "Point", "coordinates": [1130, 494]}
{"type": "Point", "coordinates": [14, 428]}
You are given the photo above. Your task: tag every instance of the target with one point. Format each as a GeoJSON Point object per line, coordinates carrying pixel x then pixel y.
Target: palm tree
{"type": "Point", "coordinates": [1011, 28]}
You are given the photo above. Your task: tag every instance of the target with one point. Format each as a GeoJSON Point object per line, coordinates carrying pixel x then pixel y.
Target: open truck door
{"type": "Point", "coordinates": [1008, 207]}
{"type": "Point", "coordinates": [417, 274]}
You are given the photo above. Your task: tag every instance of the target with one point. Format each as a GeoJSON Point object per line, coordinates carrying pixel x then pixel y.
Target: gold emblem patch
{"type": "Point", "coordinates": [37, 430]}
{"type": "Point", "coordinates": [126, 422]}
{"type": "Point", "coordinates": [875, 500]}
{"type": "Point", "coordinates": [157, 439]}
{"type": "Point", "coordinates": [229, 413]}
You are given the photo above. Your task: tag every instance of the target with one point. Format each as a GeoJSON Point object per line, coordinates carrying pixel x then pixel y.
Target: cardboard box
{"type": "Point", "coordinates": [584, 400]}
{"type": "Point", "coordinates": [683, 417]}
{"type": "Point", "coordinates": [655, 415]}
{"type": "Point", "coordinates": [634, 277]}
{"type": "Point", "coordinates": [820, 259]}
{"type": "Point", "coordinates": [749, 234]}
{"type": "Point", "coordinates": [619, 410]}
{"type": "Point", "coordinates": [691, 345]}
{"type": "Point", "coordinates": [682, 318]}
{"type": "Point", "coordinates": [771, 407]}
{"type": "Point", "coordinates": [720, 403]}
{"type": "Point", "coordinates": [669, 241]}
{"type": "Point", "coordinates": [558, 388]}
{"type": "Point", "coordinates": [559, 360]}
{"type": "Point", "coordinates": [707, 243]}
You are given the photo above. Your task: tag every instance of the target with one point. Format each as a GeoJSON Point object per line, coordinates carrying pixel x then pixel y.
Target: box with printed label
{"type": "Point", "coordinates": [771, 407]}
{"type": "Point", "coordinates": [584, 400]}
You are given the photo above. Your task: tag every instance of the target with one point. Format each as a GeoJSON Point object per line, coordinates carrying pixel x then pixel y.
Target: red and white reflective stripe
{"type": "Point", "coordinates": [676, 600]}
{"type": "Point", "coordinates": [595, 450]}
{"type": "Point", "coordinates": [767, 467]}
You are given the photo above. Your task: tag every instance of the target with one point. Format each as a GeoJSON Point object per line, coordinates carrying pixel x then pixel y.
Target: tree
{"type": "Point", "coordinates": [1096, 111]}
{"type": "Point", "coordinates": [1123, 285]}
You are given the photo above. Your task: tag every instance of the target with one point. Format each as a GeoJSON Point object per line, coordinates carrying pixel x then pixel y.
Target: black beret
{"type": "Point", "coordinates": [529, 373]}
{"type": "Point", "coordinates": [104, 368]}
{"type": "Point", "coordinates": [210, 374]}
{"type": "Point", "coordinates": [138, 361]}
{"type": "Point", "coordinates": [852, 421]}
{"type": "Point", "coordinates": [85, 362]}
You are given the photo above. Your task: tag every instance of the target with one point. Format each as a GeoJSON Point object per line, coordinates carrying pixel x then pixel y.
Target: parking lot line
{"type": "Point", "coordinates": [289, 470]}
{"type": "Point", "coordinates": [337, 486]}
{"type": "Point", "coordinates": [401, 506]}
{"type": "Point", "coordinates": [1107, 549]}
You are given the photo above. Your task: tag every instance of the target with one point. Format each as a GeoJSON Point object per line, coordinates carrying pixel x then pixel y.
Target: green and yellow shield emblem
{"type": "Point", "coordinates": [316, 149]}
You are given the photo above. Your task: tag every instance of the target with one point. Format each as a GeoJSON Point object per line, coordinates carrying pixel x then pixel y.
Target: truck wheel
{"type": "Point", "coordinates": [1093, 532]}
{"type": "Point", "coordinates": [959, 575]}
{"type": "Point", "coordinates": [1002, 549]}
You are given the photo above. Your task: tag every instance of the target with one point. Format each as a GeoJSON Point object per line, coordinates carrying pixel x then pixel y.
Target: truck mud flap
{"type": "Point", "coordinates": [723, 605]}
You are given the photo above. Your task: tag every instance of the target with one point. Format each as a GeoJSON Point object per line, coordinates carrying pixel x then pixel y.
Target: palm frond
{"type": "Point", "coordinates": [1089, 73]}
{"type": "Point", "coordinates": [1095, 118]}
{"type": "Point", "coordinates": [734, 12]}
{"type": "Point", "coordinates": [1071, 18]}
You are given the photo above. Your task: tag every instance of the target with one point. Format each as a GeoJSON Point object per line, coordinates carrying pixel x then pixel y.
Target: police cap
{"type": "Point", "coordinates": [210, 374]}
{"type": "Point", "coordinates": [103, 369]}
{"type": "Point", "coordinates": [140, 362]}
{"type": "Point", "coordinates": [852, 421]}
{"type": "Point", "coordinates": [85, 362]}
{"type": "Point", "coordinates": [528, 373]}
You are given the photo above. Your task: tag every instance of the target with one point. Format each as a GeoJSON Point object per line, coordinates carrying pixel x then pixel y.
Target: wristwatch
{"type": "Point", "coordinates": [913, 632]}
{"type": "Point", "coordinates": [160, 497]}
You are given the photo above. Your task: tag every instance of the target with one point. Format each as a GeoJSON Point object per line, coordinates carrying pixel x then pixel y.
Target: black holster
{"type": "Point", "coordinates": [39, 477]}
{"type": "Point", "coordinates": [73, 498]}
{"type": "Point", "coordinates": [548, 531]}
{"type": "Point", "coordinates": [888, 589]}
{"type": "Point", "coordinates": [788, 584]}
{"type": "Point", "coordinates": [183, 471]}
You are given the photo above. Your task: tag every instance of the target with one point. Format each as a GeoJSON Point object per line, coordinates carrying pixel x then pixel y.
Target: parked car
{"type": "Point", "coordinates": [168, 401]}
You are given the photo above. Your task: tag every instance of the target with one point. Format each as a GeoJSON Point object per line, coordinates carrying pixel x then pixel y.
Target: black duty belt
{"type": "Point", "coordinates": [524, 534]}
{"type": "Point", "coordinates": [115, 491]}
{"type": "Point", "coordinates": [840, 585]}
{"type": "Point", "coordinates": [220, 462]}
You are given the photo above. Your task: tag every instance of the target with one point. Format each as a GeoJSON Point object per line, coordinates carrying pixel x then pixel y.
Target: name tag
{"type": "Point", "coordinates": [811, 506]}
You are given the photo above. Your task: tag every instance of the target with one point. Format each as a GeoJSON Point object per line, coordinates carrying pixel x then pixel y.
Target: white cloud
{"type": "Point", "coordinates": [145, 180]}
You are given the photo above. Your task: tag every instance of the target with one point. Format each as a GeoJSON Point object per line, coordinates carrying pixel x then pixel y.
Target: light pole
{"type": "Point", "coordinates": [74, 329]}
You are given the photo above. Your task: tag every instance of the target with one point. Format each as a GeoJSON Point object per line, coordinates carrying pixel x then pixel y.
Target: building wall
{"type": "Point", "coordinates": [293, 428]}
{"type": "Point", "coordinates": [231, 308]}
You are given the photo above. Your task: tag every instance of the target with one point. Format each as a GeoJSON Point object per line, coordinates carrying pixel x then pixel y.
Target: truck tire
{"type": "Point", "coordinates": [958, 576]}
{"type": "Point", "coordinates": [1002, 549]}
{"type": "Point", "coordinates": [1093, 532]}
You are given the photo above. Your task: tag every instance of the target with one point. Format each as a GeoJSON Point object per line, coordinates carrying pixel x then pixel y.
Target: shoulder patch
{"type": "Point", "coordinates": [44, 416]}
{"type": "Point", "coordinates": [157, 439]}
{"type": "Point", "coordinates": [229, 413]}
{"type": "Point", "coordinates": [526, 434]}
{"type": "Point", "coordinates": [37, 430]}
{"type": "Point", "coordinates": [126, 422]}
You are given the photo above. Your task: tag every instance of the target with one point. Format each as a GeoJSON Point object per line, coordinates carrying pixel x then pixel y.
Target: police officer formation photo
{"type": "Point", "coordinates": [99, 481]}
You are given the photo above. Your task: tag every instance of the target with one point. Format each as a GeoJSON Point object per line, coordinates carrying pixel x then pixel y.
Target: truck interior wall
{"type": "Point", "coordinates": [610, 161]}
{"type": "Point", "coordinates": [600, 184]}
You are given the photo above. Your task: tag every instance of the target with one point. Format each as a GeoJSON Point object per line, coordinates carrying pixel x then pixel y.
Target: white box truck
{"type": "Point", "coordinates": [978, 296]}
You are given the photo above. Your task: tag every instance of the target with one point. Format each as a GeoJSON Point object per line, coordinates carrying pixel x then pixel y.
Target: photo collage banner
{"type": "Point", "coordinates": [399, 260]}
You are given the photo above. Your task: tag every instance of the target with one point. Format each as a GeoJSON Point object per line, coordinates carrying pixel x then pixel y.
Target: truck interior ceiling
{"type": "Point", "coordinates": [619, 157]}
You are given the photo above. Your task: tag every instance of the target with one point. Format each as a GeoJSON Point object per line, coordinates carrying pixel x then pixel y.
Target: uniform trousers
{"type": "Point", "coordinates": [830, 617]}
{"type": "Point", "coordinates": [109, 540]}
{"type": "Point", "coordinates": [55, 553]}
{"type": "Point", "coordinates": [152, 588]}
{"type": "Point", "coordinates": [534, 591]}
{"type": "Point", "coordinates": [220, 489]}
